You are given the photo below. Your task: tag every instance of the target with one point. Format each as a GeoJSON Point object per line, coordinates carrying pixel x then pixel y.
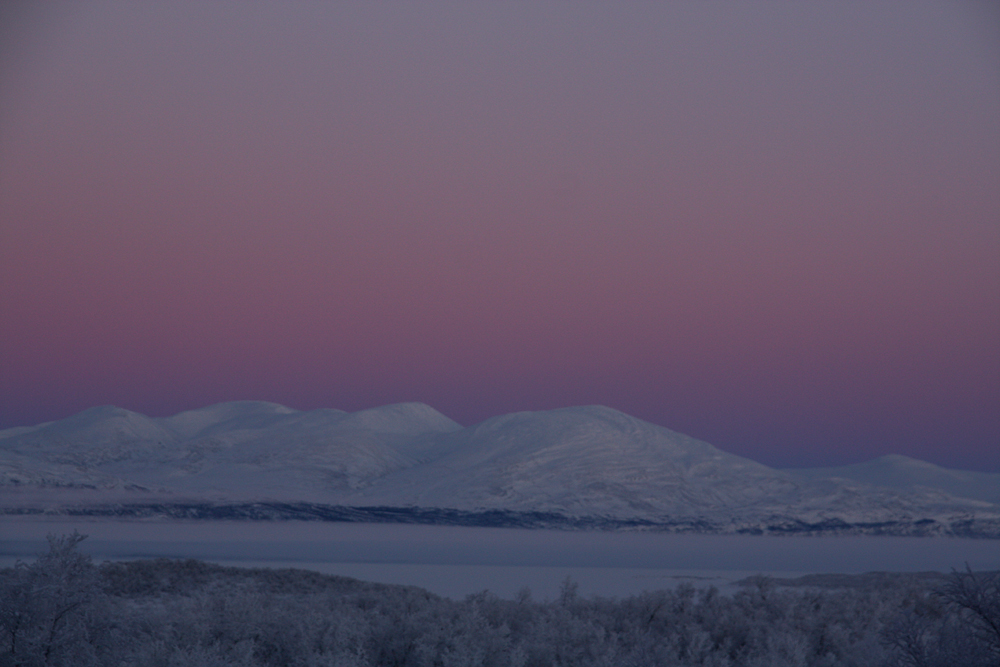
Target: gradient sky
{"type": "Point", "coordinates": [774, 226]}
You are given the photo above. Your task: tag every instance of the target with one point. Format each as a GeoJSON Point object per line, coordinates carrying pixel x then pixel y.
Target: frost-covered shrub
{"type": "Point", "coordinates": [47, 608]}
{"type": "Point", "coordinates": [955, 624]}
{"type": "Point", "coordinates": [62, 610]}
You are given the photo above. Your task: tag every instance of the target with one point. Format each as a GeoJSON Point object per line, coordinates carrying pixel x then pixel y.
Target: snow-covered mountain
{"type": "Point", "coordinates": [583, 464]}
{"type": "Point", "coordinates": [578, 460]}
{"type": "Point", "coordinates": [295, 455]}
{"type": "Point", "coordinates": [92, 438]}
{"type": "Point", "coordinates": [240, 450]}
{"type": "Point", "coordinates": [902, 472]}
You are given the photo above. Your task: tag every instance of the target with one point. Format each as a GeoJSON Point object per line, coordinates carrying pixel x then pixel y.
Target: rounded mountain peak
{"type": "Point", "coordinates": [403, 418]}
{"type": "Point", "coordinates": [192, 422]}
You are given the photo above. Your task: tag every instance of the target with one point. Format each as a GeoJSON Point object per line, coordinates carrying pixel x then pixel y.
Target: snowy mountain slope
{"type": "Point", "coordinates": [225, 417]}
{"type": "Point", "coordinates": [20, 471]}
{"type": "Point", "coordinates": [577, 460]}
{"type": "Point", "coordinates": [93, 437]}
{"type": "Point", "coordinates": [230, 450]}
{"type": "Point", "coordinates": [20, 430]}
{"type": "Point", "coordinates": [300, 455]}
{"type": "Point", "coordinates": [406, 420]}
{"type": "Point", "coordinates": [902, 472]}
{"type": "Point", "coordinates": [590, 464]}
{"type": "Point", "coordinates": [595, 460]}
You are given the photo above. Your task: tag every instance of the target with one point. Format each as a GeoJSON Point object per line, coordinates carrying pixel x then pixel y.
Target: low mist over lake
{"type": "Point", "coordinates": [457, 561]}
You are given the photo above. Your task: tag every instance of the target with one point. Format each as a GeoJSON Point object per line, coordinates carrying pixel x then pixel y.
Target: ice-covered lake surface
{"type": "Point", "coordinates": [455, 561]}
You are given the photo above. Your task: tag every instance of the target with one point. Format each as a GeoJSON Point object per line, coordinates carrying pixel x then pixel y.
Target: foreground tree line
{"type": "Point", "coordinates": [64, 610]}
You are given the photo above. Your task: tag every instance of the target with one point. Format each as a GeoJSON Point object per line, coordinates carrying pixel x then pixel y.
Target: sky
{"type": "Point", "coordinates": [773, 226]}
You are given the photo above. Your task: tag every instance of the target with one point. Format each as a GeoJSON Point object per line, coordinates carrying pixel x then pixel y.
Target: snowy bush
{"type": "Point", "coordinates": [63, 610]}
{"type": "Point", "coordinates": [47, 609]}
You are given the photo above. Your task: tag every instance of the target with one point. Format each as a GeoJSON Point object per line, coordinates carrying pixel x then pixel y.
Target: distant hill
{"type": "Point", "coordinates": [577, 467]}
{"type": "Point", "coordinates": [902, 472]}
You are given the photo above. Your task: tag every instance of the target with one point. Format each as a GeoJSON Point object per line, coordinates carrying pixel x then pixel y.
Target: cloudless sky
{"type": "Point", "coordinates": [774, 226]}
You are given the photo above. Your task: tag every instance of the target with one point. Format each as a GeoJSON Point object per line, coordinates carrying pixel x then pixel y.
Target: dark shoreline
{"type": "Point", "coordinates": [302, 511]}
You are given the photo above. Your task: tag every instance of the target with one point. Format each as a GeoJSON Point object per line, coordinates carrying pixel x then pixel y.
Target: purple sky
{"type": "Point", "coordinates": [774, 226]}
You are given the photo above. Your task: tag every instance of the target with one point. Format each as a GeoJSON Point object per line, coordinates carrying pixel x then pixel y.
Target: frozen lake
{"type": "Point", "coordinates": [456, 561]}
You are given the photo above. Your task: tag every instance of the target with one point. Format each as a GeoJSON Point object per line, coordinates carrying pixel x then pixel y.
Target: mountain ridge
{"type": "Point", "coordinates": [899, 471]}
{"type": "Point", "coordinates": [587, 464]}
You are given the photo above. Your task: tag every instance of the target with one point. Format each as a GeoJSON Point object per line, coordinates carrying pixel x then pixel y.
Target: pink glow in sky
{"type": "Point", "coordinates": [774, 226]}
